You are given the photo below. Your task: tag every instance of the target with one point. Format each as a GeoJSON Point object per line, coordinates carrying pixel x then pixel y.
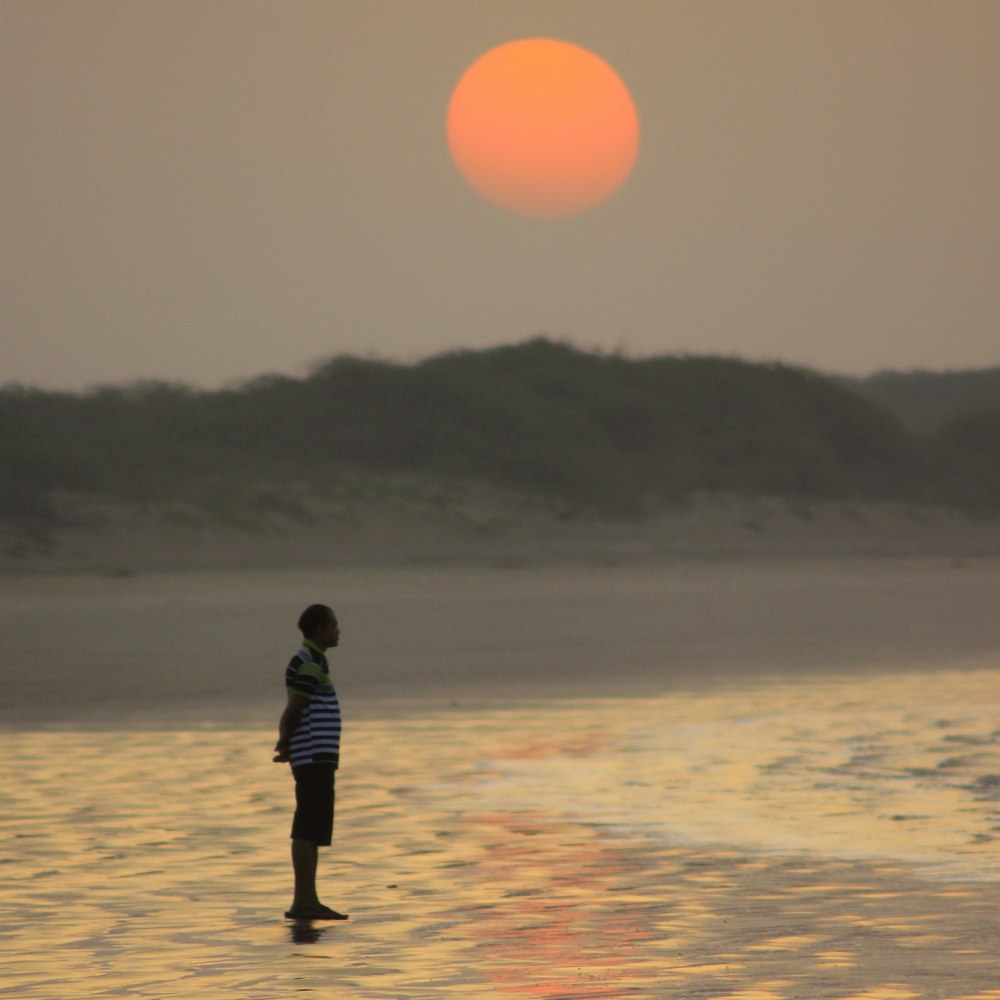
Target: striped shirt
{"type": "Point", "coordinates": [316, 739]}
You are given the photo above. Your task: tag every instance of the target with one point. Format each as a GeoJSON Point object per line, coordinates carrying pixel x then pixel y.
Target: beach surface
{"type": "Point", "coordinates": [740, 780]}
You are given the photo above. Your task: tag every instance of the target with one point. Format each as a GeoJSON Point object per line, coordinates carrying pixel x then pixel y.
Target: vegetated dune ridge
{"type": "Point", "coordinates": [477, 526]}
{"type": "Point", "coordinates": [527, 451]}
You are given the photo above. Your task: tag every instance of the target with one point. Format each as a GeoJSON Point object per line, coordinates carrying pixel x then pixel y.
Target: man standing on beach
{"type": "Point", "coordinates": [309, 739]}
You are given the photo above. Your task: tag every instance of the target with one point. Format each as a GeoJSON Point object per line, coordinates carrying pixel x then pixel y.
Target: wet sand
{"type": "Point", "coordinates": [557, 851]}
{"type": "Point", "coordinates": [774, 781]}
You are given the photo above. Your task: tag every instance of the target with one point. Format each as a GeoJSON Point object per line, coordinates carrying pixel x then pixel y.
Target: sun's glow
{"type": "Point", "coordinates": [543, 128]}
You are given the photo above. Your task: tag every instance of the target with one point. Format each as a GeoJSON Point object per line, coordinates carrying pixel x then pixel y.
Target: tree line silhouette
{"type": "Point", "coordinates": [598, 432]}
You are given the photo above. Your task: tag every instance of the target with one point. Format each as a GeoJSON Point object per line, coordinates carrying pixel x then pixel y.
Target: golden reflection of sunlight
{"type": "Point", "coordinates": [836, 960]}
{"type": "Point", "coordinates": [787, 942]}
{"type": "Point", "coordinates": [765, 991]}
{"type": "Point", "coordinates": [566, 909]}
{"type": "Point", "coordinates": [701, 968]}
{"type": "Point", "coordinates": [526, 853]}
{"type": "Point", "coordinates": [891, 991]}
{"type": "Point", "coordinates": [841, 770]}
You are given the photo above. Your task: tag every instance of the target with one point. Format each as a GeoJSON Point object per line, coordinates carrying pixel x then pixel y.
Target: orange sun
{"type": "Point", "coordinates": [543, 128]}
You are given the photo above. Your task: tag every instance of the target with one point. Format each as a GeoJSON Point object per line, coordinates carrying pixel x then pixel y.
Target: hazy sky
{"type": "Point", "coordinates": [207, 190]}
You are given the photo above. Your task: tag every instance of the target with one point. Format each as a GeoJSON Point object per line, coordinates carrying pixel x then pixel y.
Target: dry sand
{"type": "Point", "coordinates": [417, 524]}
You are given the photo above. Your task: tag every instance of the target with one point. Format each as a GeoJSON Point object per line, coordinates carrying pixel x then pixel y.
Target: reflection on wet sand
{"type": "Point", "coordinates": [560, 851]}
{"type": "Point", "coordinates": [306, 931]}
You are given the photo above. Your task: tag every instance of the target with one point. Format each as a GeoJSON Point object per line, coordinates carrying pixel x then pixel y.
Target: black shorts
{"type": "Point", "coordinates": [314, 797]}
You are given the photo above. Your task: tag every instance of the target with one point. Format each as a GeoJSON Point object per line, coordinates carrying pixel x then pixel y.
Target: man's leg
{"type": "Point", "coordinates": [306, 902]}
{"type": "Point", "coordinates": [304, 860]}
{"type": "Point", "coordinates": [312, 827]}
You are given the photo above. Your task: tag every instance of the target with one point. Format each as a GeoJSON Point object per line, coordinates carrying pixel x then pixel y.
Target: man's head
{"type": "Point", "coordinates": [319, 624]}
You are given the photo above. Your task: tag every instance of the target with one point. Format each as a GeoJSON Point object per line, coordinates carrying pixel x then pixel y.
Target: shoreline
{"type": "Point", "coordinates": [210, 644]}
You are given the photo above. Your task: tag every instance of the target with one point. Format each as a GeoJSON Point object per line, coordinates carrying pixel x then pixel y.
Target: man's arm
{"type": "Point", "coordinates": [288, 723]}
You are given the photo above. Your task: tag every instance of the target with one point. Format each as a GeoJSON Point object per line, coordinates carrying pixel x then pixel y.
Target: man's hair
{"type": "Point", "coordinates": [314, 617]}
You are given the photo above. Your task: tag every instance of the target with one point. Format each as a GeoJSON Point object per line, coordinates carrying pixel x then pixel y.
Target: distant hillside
{"type": "Point", "coordinates": [588, 431]}
{"type": "Point", "coordinates": [926, 401]}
